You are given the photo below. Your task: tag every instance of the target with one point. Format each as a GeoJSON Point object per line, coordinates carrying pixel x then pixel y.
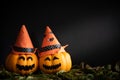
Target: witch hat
{"type": "Point", "coordinates": [50, 44]}
{"type": "Point", "coordinates": [23, 42]}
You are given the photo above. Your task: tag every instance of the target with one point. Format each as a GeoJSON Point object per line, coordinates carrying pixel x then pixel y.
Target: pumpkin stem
{"type": "Point", "coordinates": [65, 46]}
{"type": "Point", "coordinates": [62, 49]}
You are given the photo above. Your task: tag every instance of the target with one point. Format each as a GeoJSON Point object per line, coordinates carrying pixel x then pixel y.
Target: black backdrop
{"type": "Point", "coordinates": [90, 29]}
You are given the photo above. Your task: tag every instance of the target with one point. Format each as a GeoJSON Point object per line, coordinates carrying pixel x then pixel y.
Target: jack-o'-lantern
{"type": "Point", "coordinates": [52, 56]}
{"type": "Point", "coordinates": [22, 59]}
{"type": "Point", "coordinates": [22, 64]}
{"type": "Point", "coordinates": [52, 63]}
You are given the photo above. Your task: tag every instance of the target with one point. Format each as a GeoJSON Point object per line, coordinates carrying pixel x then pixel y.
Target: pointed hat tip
{"type": "Point", "coordinates": [23, 29]}
{"type": "Point", "coordinates": [47, 26]}
{"type": "Point", "coordinates": [48, 29]}
{"type": "Point", "coordinates": [23, 26]}
{"type": "Point", "coordinates": [23, 38]}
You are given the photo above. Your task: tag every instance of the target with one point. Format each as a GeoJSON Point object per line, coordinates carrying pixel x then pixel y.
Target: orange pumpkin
{"type": "Point", "coordinates": [22, 59]}
{"type": "Point", "coordinates": [52, 56]}
{"type": "Point", "coordinates": [22, 64]}
{"type": "Point", "coordinates": [55, 62]}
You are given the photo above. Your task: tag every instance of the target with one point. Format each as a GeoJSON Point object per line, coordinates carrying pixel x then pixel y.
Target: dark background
{"type": "Point", "coordinates": [92, 30]}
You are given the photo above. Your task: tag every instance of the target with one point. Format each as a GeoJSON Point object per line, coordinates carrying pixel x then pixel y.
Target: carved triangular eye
{"type": "Point", "coordinates": [21, 57]}
{"type": "Point", "coordinates": [55, 58]}
{"type": "Point", "coordinates": [29, 58]}
{"type": "Point", "coordinates": [47, 59]}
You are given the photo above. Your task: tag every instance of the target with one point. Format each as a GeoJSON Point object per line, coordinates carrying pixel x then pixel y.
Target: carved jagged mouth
{"type": "Point", "coordinates": [22, 67]}
{"type": "Point", "coordinates": [52, 67]}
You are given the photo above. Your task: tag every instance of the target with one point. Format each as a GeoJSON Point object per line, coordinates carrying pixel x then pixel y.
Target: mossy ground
{"type": "Point", "coordinates": [78, 72]}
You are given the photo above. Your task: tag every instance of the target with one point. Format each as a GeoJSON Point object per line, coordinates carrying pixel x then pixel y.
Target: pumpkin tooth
{"type": "Point", "coordinates": [26, 67]}
{"type": "Point", "coordinates": [21, 67]}
{"type": "Point", "coordinates": [52, 67]}
{"type": "Point", "coordinates": [45, 66]}
{"type": "Point", "coordinates": [56, 66]}
{"type": "Point", "coordinates": [33, 66]}
{"type": "Point", "coordinates": [30, 67]}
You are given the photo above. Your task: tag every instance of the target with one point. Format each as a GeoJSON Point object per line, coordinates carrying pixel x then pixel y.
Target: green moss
{"type": "Point", "coordinates": [78, 72]}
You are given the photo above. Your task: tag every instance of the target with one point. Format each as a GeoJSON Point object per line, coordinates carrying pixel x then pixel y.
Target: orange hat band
{"type": "Point", "coordinates": [19, 49]}
{"type": "Point", "coordinates": [50, 47]}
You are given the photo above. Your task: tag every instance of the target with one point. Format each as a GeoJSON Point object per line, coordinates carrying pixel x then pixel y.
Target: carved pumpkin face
{"type": "Point", "coordinates": [53, 63]}
{"type": "Point", "coordinates": [23, 64]}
